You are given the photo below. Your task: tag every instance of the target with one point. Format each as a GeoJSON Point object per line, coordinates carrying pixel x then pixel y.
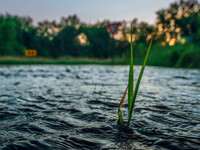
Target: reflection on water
{"type": "Point", "coordinates": [75, 107]}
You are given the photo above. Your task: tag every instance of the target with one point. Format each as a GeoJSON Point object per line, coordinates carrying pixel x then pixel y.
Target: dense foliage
{"type": "Point", "coordinates": [176, 37]}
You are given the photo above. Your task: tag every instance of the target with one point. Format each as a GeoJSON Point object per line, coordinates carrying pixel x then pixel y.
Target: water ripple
{"type": "Point", "coordinates": [75, 107]}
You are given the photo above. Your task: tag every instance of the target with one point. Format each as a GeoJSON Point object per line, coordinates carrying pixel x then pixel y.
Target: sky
{"type": "Point", "coordinates": [89, 11]}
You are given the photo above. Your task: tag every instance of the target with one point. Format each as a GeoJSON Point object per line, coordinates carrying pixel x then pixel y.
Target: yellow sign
{"type": "Point", "coordinates": [31, 52]}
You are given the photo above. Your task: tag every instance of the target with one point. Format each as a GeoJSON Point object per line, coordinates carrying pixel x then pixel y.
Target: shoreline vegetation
{"type": "Point", "coordinates": [72, 41]}
{"type": "Point", "coordinates": [9, 60]}
{"type": "Point", "coordinates": [177, 56]}
{"type": "Point", "coordinates": [12, 60]}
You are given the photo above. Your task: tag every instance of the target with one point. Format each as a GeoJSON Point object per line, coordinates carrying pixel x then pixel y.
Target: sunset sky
{"type": "Point", "coordinates": [89, 11]}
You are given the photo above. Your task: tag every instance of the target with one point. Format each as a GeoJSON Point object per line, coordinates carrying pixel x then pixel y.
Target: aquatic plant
{"type": "Point", "coordinates": [132, 95]}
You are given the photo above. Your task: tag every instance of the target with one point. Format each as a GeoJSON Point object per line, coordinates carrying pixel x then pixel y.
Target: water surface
{"type": "Point", "coordinates": [75, 107]}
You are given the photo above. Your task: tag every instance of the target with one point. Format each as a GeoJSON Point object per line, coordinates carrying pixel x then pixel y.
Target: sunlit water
{"type": "Point", "coordinates": [75, 107]}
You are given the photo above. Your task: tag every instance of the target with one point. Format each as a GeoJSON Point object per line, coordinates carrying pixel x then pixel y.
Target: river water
{"type": "Point", "coordinates": [75, 107]}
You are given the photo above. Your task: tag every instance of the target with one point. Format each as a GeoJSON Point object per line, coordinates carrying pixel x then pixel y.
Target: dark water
{"type": "Point", "coordinates": [75, 107]}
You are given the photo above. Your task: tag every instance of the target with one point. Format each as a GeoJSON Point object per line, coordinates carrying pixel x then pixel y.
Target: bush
{"type": "Point", "coordinates": [190, 59]}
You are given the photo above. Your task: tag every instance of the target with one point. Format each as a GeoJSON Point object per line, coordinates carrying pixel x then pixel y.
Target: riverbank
{"type": "Point", "coordinates": [10, 60]}
{"type": "Point", "coordinates": [60, 61]}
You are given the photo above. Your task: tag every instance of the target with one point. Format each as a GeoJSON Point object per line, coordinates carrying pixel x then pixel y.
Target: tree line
{"type": "Point", "coordinates": [176, 25]}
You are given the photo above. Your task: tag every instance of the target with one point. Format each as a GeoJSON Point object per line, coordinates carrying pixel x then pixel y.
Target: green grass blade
{"type": "Point", "coordinates": [138, 82]}
{"type": "Point", "coordinates": [130, 82]}
{"type": "Point", "coordinates": [121, 121]}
